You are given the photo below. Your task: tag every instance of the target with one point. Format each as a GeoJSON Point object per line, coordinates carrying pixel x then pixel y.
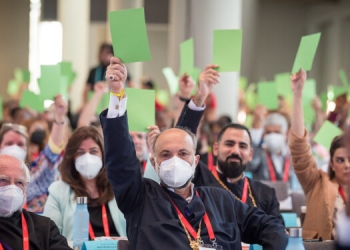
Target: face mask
{"type": "Point", "coordinates": [15, 151]}
{"type": "Point", "coordinates": [88, 165]}
{"type": "Point", "coordinates": [175, 172]}
{"type": "Point", "coordinates": [11, 200]}
{"type": "Point", "coordinates": [274, 142]}
{"type": "Point", "coordinates": [38, 136]}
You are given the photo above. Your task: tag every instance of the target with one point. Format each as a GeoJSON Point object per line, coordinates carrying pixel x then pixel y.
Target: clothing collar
{"type": "Point", "coordinates": [189, 198]}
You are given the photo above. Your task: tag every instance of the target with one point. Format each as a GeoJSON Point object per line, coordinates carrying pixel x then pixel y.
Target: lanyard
{"type": "Point", "coordinates": [210, 161]}
{"type": "Point", "coordinates": [189, 227]}
{"type": "Point", "coordinates": [342, 194]}
{"type": "Point", "coordinates": [105, 224]}
{"type": "Point", "coordinates": [24, 234]}
{"type": "Point", "coordinates": [272, 169]}
{"type": "Point", "coordinates": [245, 186]}
{"type": "Point", "coordinates": [144, 164]}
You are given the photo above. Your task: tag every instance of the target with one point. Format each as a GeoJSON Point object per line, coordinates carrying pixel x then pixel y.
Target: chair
{"type": "Point", "coordinates": [123, 245]}
{"type": "Point", "coordinates": [298, 200]}
{"type": "Point", "coordinates": [280, 187]}
{"type": "Point", "coordinates": [322, 245]}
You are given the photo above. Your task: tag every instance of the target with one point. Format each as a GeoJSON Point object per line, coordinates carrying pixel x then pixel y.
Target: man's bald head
{"type": "Point", "coordinates": [11, 164]}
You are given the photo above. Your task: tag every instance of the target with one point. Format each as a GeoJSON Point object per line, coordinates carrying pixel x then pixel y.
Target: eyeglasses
{"type": "Point", "coordinates": [5, 181]}
{"type": "Point", "coordinates": [17, 127]}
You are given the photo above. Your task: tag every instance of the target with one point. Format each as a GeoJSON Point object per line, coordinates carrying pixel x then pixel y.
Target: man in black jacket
{"type": "Point", "coordinates": [176, 215]}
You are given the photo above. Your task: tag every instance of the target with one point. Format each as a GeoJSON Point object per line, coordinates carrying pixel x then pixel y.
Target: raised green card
{"type": "Point", "coordinates": [267, 95]}
{"type": "Point", "coordinates": [140, 109]}
{"type": "Point", "coordinates": [129, 35]}
{"type": "Point", "coordinates": [186, 57]}
{"type": "Point", "coordinates": [31, 100]}
{"type": "Point", "coordinates": [306, 52]}
{"type": "Point", "coordinates": [283, 84]}
{"type": "Point", "coordinates": [326, 134]}
{"type": "Point", "coordinates": [227, 50]}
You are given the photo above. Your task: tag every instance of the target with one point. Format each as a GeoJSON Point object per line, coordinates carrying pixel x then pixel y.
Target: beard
{"type": "Point", "coordinates": [232, 169]}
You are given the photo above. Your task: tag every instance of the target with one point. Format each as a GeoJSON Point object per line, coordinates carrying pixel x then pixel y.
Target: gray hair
{"type": "Point", "coordinates": [22, 164]}
{"type": "Point", "coordinates": [277, 120]}
{"type": "Point", "coordinates": [193, 136]}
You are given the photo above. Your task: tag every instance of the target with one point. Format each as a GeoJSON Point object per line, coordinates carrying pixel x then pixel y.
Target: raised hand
{"type": "Point", "coordinates": [186, 86]}
{"type": "Point", "coordinates": [61, 108]}
{"type": "Point", "coordinates": [207, 79]}
{"type": "Point", "coordinates": [151, 136]}
{"type": "Point", "coordinates": [297, 81]}
{"type": "Point", "coordinates": [100, 87]}
{"type": "Point", "coordinates": [116, 75]}
{"type": "Point", "coordinates": [316, 104]}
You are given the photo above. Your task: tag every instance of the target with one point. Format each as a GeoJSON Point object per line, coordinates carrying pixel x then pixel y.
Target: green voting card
{"type": "Point", "coordinates": [140, 109]}
{"type": "Point", "coordinates": [323, 98]}
{"type": "Point", "coordinates": [227, 50]}
{"type": "Point", "coordinates": [309, 92]}
{"type": "Point", "coordinates": [248, 121]}
{"type": "Point", "coordinates": [267, 95]}
{"type": "Point", "coordinates": [162, 97]}
{"type": "Point", "coordinates": [343, 78]}
{"type": "Point", "coordinates": [22, 75]}
{"type": "Point", "coordinates": [186, 57]}
{"type": "Point", "coordinates": [283, 84]}
{"type": "Point", "coordinates": [67, 72]}
{"type": "Point", "coordinates": [31, 100]}
{"type": "Point", "coordinates": [49, 82]}
{"type": "Point", "coordinates": [306, 52]}
{"type": "Point", "coordinates": [13, 87]}
{"type": "Point", "coordinates": [251, 98]}
{"type": "Point", "coordinates": [326, 134]}
{"type": "Point", "coordinates": [243, 83]}
{"type": "Point", "coordinates": [129, 35]}
{"type": "Point", "coordinates": [171, 79]}
{"type": "Point", "coordinates": [103, 104]}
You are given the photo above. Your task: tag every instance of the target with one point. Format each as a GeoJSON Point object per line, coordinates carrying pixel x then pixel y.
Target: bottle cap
{"type": "Point", "coordinates": [295, 232]}
{"type": "Point", "coordinates": [82, 200]}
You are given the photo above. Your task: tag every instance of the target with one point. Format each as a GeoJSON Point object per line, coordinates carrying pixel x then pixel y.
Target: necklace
{"type": "Point", "coordinates": [225, 187]}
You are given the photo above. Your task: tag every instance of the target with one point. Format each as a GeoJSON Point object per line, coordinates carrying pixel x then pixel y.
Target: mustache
{"type": "Point", "coordinates": [234, 156]}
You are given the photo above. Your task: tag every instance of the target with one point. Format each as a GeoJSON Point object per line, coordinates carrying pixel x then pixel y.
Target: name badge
{"type": "Point", "coordinates": [210, 247]}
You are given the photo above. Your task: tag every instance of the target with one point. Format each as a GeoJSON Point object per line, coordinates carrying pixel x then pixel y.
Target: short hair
{"type": "Point", "coordinates": [337, 142]}
{"type": "Point", "coordinates": [193, 136]}
{"type": "Point", "coordinates": [23, 166]}
{"type": "Point", "coordinates": [106, 46]}
{"type": "Point", "coordinates": [235, 126]}
{"type": "Point", "coordinates": [277, 120]}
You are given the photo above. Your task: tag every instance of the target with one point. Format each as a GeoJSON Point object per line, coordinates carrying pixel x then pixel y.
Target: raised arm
{"type": "Point", "coordinates": [120, 157]}
{"type": "Point", "coordinates": [297, 84]}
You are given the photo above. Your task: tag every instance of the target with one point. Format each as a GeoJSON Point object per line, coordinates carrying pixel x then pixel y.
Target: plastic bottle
{"type": "Point", "coordinates": [295, 241]}
{"type": "Point", "coordinates": [81, 223]}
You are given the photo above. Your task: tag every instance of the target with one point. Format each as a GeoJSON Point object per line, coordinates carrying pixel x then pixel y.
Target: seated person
{"type": "Point", "coordinates": [20, 229]}
{"type": "Point", "coordinates": [325, 193]}
{"type": "Point", "coordinates": [83, 174]}
{"type": "Point", "coordinates": [14, 141]}
{"type": "Point", "coordinates": [175, 215]}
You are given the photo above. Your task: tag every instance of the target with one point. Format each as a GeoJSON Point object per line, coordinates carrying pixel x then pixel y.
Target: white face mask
{"type": "Point", "coordinates": [11, 200]}
{"type": "Point", "coordinates": [15, 151]}
{"type": "Point", "coordinates": [88, 165]}
{"type": "Point", "coordinates": [175, 172]}
{"type": "Point", "coordinates": [275, 142]}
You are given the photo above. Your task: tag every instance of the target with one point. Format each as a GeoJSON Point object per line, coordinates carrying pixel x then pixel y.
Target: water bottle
{"type": "Point", "coordinates": [295, 241]}
{"type": "Point", "coordinates": [81, 223]}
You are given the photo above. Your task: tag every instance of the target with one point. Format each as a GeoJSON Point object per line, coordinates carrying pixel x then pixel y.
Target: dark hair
{"type": "Point", "coordinates": [14, 111]}
{"type": "Point", "coordinates": [224, 120]}
{"type": "Point", "coordinates": [234, 126]}
{"type": "Point", "coordinates": [106, 46]}
{"type": "Point", "coordinates": [338, 142]}
{"type": "Point", "coordinates": [70, 175]}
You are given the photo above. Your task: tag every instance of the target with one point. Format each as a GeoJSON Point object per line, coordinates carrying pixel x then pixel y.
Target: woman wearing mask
{"type": "Point", "coordinates": [325, 193]}
{"type": "Point", "coordinates": [83, 174]}
{"type": "Point", "coordinates": [14, 141]}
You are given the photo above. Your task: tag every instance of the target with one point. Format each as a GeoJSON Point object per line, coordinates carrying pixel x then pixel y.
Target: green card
{"type": "Point", "coordinates": [306, 52]}
{"type": "Point", "coordinates": [186, 57]}
{"type": "Point", "coordinates": [243, 83]}
{"type": "Point", "coordinates": [339, 90]}
{"type": "Point", "coordinates": [267, 95]}
{"type": "Point", "coordinates": [129, 35]}
{"type": "Point", "coordinates": [343, 78]}
{"type": "Point", "coordinates": [309, 115]}
{"type": "Point", "coordinates": [1, 116]}
{"type": "Point", "coordinates": [248, 121]}
{"type": "Point", "coordinates": [13, 87]}
{"type": "Point", "coordinates": [162, 96]}
{"type": "Point", "coordinates": [141, 114]}
{"type": "Point", "coordinates": [66, 68]}
{"type": "Point", "coordinates": [22, 75]}
{"type": "Point", "coordinates": [309, 92]}
{"type": "Point", "coordinates": [31, 100]}
{"type": "Point", "coordinates": [195, 76]}
{"type": "Point", "coordinates": [171, 79]}
{"type": "Point", "coordinates": [227, 50]}
{"type": "Point", "coordinates": [324, 98]}
{"type": "Point", "coordinates": [49, 82]}
{"type": "Point", "coordinates": [283, 84]}
{"type": "Point", "coordinates": [251, 98]}
{"type": "Point", "coordinates": [326, 134]}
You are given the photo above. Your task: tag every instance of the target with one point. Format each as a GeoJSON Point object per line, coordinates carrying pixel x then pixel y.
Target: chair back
{"type": "Point", "coordinates": [123, 245]}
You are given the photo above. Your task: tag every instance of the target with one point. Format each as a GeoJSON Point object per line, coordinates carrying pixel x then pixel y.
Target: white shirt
{"type": "Point", "coordinates": [343, 229]}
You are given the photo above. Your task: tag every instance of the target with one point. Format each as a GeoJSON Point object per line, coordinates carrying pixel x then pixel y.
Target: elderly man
{"type": "Point", "coordinates": [20, 229]}
{"type": "Point", "coordinates": [176, 215]}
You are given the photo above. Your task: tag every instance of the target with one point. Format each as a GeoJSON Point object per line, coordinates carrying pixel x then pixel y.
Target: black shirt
{"type": "Point", "coordinates": [96, 74]}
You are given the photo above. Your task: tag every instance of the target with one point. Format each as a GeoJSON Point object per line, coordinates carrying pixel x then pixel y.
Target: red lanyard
{"type": "Point", "coordinates": [272, 170]}
{"type": "Point", "coordinates": [144, 164]}
{"type": "Point", "coordinates": [189, 227]}
{"type": "Point", "coordinates": [24, 234]}
{"type": "Point", "coordinates": [105, 224]}
{"type": "Point", "coordinates": [245, 186]}
{"type": "Point", "coordinates": [342, 194]}
{"type": "Point", "coordinates": [210, 161]}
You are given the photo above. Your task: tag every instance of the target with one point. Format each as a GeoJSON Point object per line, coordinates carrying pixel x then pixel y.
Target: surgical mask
{"type": "Point", "coordinates": [274, 142]}
{"type": "Point", "coordinates": [11, 200]}
{"type": "Point", "coordinates": [88, 165]}
{"type": "Point", "coordinates": [15, 151]}
{"type": "Point", "coordinates": [175, 172]}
